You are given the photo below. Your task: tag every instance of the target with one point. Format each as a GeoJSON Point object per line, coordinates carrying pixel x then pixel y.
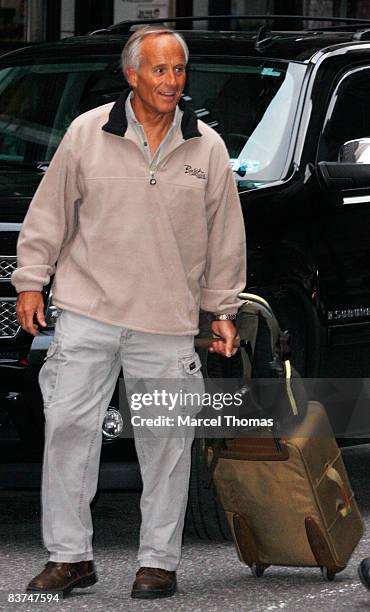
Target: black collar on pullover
{"type": "Point", "coordinates": [117, 122]}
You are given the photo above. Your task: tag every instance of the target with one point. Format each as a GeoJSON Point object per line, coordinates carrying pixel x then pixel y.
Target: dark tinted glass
{"type": "Point", "coordinates": [250, 103]}
{"type": "Point", "coordinates": [37, 104]}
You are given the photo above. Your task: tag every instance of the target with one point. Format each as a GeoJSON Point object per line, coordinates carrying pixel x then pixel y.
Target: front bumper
{"type": "Point", "coordinates": [15, 375]}
{"type": "Point", "coordinates": [12, 375]}
{"type": "Point", "coordinates": [39, 346]}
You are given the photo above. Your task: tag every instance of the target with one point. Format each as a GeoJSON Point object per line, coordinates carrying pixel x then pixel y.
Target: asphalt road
{"type": "Point", "coordinates": [211, 578]}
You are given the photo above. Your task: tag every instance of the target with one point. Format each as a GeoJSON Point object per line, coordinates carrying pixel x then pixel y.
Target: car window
{"type": "Point", "coordinates": [348, 115]}
{"type": "Point", "coordinates": [38, 102]}
{"type": "Point", "coordinates": [252, 105]}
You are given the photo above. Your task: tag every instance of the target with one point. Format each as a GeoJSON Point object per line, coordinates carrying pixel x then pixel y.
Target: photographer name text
{"type": "Point", "coordinates": [187, 420]}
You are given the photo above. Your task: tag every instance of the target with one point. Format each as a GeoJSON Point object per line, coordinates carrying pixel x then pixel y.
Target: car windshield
{"type": "Point", "coordinates": [251, 104]}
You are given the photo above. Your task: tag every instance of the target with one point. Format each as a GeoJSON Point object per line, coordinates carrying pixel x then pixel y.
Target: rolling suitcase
{"type": "Point", "coordinates": [288, 501]}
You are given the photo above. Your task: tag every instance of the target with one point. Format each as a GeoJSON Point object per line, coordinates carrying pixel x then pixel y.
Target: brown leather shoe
{"type": "Point", "coordinates": [63, 577]}
{"type": "Point", "coordinates": [153, 582]}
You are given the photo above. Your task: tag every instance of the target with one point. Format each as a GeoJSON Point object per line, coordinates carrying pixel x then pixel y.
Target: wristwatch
{"type": "Point", "coordinates": [223, 317]}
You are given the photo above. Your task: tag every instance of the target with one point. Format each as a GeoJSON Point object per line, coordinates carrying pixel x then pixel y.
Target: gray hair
{"type": "Point", "coordinates": [131, 51]}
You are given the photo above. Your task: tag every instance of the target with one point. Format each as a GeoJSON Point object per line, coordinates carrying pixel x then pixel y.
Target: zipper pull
{"type": "Point", "coordinates": [152, 179]}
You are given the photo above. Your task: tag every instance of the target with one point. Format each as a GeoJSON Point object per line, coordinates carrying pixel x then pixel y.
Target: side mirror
{"type": "Point", "coordinates": [355, 151]}
{"type": "Point", "coordinates": [351, 172]}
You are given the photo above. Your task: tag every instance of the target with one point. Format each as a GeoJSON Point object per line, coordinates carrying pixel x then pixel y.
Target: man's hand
{"type": "Point", "coordinates": [29, 303]}
{"type": "Point", "coordinates": [227, 331]}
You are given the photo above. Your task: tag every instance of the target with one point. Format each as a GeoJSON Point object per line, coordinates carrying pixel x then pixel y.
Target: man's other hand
{"type": "Point", "coordinates": [227, 332]}
{"type": "Point", "coordinates": [30, 303]}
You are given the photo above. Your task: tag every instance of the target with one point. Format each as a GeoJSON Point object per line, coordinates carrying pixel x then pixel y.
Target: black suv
{"type": "Point", "coordinates": [293, 109]}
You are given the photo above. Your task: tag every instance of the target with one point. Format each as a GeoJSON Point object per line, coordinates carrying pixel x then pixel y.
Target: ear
{"type": "Point", "coordinates": [131, 76]}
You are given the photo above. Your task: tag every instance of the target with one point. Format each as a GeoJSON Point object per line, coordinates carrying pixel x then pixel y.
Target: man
{"type": "Point", "coordinates": [140, 209]}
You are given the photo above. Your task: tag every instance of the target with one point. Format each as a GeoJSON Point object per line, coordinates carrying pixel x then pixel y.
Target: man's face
{"type": "Point", "coordinates": [160, 80]}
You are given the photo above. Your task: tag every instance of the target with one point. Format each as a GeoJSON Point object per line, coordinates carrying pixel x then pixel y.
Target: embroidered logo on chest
{"type": "Point", "coordinates": [198, 172]}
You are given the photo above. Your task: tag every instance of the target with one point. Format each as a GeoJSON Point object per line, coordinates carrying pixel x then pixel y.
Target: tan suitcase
{"type": "Point", "coordinates": [289, 502]}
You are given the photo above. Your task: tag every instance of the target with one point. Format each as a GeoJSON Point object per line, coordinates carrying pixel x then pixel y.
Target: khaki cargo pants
{"type": "Point", "coordinates": [77, 381]}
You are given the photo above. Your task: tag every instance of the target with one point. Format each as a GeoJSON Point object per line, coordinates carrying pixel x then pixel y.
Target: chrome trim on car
{"type": "Point", "coordinates": [10, 227]}
{"type": "Point", "coordinates": [9, 327]}
{"type": "Point", "coordinates": [8, 264]}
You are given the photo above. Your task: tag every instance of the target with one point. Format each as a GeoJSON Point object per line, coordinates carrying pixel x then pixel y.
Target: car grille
{"type": "Point", "coordinates": [9, 326]}
{"type": "Point", "coordinates": [8, 264]}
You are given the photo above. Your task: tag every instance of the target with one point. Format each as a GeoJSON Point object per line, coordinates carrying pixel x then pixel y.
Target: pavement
{"type": "Point", "coordinates": [211, 578]}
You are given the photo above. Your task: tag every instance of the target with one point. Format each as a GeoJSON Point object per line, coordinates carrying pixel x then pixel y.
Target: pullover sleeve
{"type": "Point", "coordinates": [49, 223]}
{"type": "Point", "coordinates": [225, 271]}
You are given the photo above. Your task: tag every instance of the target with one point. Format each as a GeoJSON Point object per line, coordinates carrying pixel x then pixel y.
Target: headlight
{"type": "Point", "coordinates": [112, 424]}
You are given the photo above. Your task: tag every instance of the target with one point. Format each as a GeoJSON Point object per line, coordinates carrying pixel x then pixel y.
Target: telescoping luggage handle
{"type": "Point", "coordinates": [255, 304]}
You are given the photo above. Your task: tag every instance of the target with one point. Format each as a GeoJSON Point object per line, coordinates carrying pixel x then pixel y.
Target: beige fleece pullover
{"type": "Point", "coordinates": [136, 249]}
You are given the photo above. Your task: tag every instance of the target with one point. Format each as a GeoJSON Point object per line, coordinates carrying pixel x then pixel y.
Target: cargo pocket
{"type": "Point", "coordinates": [193, 383]}
{"type": "Point", "coordinates": [49, 373]}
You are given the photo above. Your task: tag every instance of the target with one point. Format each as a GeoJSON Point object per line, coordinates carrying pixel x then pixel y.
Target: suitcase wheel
{"type": "Point", "coordinates": [257, 570]}
{"type": "Point", "coordinates": [327, 574]}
